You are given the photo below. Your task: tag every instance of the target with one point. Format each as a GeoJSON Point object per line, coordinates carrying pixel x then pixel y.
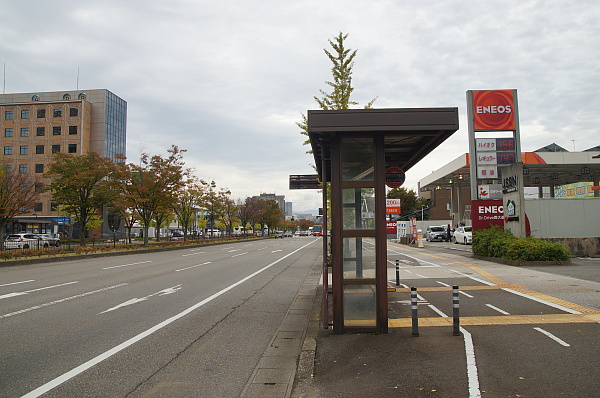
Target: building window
{"type": "Point", "coordinates": [56, 130]}
{"type": "Point", "coordinates": [24, 131]}
{"type": "Point", "coordinates": [9, 115]}
{"type": "Point", "coordinates": [38, 187]}
{"type": "Point", "coordinates": [39, 149]}
{"type": "Point", "coordinates": [8, 150]}
{"type": "Point", "coordinates": [24, 113]}
{"type": "Point", "coordinates": [8, 168]}
{"type": "Point", "coordinates": [41, 131]}
{"type": "Point", "coordinates": [23, 168]}
{"type": "Point", "coordinates": [56, 148]}
{"type": "Point", "coordinates": [81, 96]}
{"type": "Point", "coordinates": [38, 207]}
{"type": "Point", "coordinates": [72, 148]}
{"type": "Point", "coordinates": [35, 98]}
{"type": "Point", "coordinates": [67, 97]}
{"type": "Point", "coordinates": [53, 206]}
{"type": "Point", "coordinates": [8, 132]}
{"type": "Point", "coordinates": [57, 112]}
{"type": "Point", "coordinates": [73, 112]}
{"type": "Point", "coordinates": [72, 130]}
{"type": "Point", "coordinates": [24, 150]}
{"type": "Point", "coordinates": [39, 168]}
{"type": "Point", "coordinates": [41, 113]}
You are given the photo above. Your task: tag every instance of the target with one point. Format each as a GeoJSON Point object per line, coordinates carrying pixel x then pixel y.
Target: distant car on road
{"type": "Point", "coordinates": [50, 239]}
{"type": "Point", "coordinates": [435, 232]}
{"type": "Point", "coordinates": [463, 235]}
{"type": "Point", "coordinates": [24, 241]}
{"type": "Point", "coordinates": [287, 234]}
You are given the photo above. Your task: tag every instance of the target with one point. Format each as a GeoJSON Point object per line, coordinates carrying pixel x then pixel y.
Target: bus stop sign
{"type": "Point", "coordinates": [394, 177]}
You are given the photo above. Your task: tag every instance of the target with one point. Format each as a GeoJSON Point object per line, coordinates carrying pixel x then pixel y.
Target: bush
{"type": "Point", "coordinates": [497, 242]}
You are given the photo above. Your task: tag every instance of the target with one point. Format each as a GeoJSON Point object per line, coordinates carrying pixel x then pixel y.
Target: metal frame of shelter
{"type": "Point", "coordinates": [353, 149]}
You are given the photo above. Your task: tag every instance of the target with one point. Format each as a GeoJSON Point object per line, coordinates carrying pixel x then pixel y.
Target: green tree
{"type": "Point", "coordinates": [409, 201]}
{"type": "Point", "coordinates": [18, 195]}
{"type": "Point", "coordinates": [81, 185]}
{"type": "Point", "coordinates": [342, 59]}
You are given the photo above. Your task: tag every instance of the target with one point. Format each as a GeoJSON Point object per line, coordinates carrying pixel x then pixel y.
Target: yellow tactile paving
{"type": "Point", "coordinates": [498, 320]}
{"type": "Point", "coordinates": [588, 315]}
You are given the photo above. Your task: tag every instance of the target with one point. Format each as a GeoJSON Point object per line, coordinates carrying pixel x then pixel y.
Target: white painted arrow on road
{"type": "Point", "coordinates": [164, 292]}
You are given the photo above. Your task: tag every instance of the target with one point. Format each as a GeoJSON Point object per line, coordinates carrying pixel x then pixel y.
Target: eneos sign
{"type": "Point", "coordinates": [493, 110]}
{"type": "Point", "coordinates": [487, 212]}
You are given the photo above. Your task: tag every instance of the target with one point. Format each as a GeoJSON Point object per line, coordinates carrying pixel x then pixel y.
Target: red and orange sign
{"type": "Point", "coordinates": [493, 110]}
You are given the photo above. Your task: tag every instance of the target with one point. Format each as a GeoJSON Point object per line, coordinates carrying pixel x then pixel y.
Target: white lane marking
{"type": "Point", "coordinates": [560, 307]}
{"type": "Point", "coordinates": [465, 294]}
{"type": "Point", "coordinates": [422, 276]}
{"type": "Point", "coordinates": [498, 309]}
{"type": "Point", "coordinates": [440, 313]}
{"type": "Point", "coordinates": [234, 250]}
{"type": "Point", "coordinates": [96, 360]}
{"type": "Point", "coordinates": [443, 284]}
{"type": "Point", "coordinates": [419, 261]}
{"type": "Point", "coordinates": [239, 254]}
{"type": "Point", "coordinates": [473, 278]}
{"type": "Point", "coordinates": [127, 265]}
{"type": "Point", "coordinates": [553, 337]}
{"type": "Point", "coordinates": [17, 283]}
{"type": "Point", "coordinates": [192, 254]}
{"type": "Point", "coordinates": [472, 376]}
{"type": "Point", "coordinates": [37, 307]}
{"type": "Point", "coordinates": [34, 290]}
{"type": "Point", "coordinates": [275, 251]}
{"type": "Point", "coordinates": [163, 292]}
{"type": "Point", "coordinates": [193, 266]}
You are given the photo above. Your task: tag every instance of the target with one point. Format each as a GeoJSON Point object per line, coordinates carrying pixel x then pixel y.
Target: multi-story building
{"type": "Point", "coordinates": [34, 126]}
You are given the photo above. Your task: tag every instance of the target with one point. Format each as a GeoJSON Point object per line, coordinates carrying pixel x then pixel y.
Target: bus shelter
{"type": "Point", "coordinates": [353, 149]}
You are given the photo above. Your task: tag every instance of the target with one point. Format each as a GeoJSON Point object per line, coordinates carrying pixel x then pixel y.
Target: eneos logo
{"type": "Point", "coordinates": [493, 110]}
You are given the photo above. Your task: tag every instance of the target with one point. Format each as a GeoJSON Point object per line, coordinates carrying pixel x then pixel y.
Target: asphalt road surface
{"type": "Point", "coordinates": [523, 332]}
{"type": "Point", "coordinates": [105, 327]}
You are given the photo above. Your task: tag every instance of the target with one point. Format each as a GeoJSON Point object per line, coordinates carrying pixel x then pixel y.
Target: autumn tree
{"type": "Point", "coordinates": [81, 185]}
{"type": "Point", "coordinates": [230, 213]}
{"type": "Point", "coordinates": [187, 203]}
{"type": "Point", "coordinates": [271, 215]}
{"type": "Point", "coordinates": [152, 184]}
{"type": "Point", "coordinates": [18, 195]}
{"type": "Point", "coordinates": [212, 202]}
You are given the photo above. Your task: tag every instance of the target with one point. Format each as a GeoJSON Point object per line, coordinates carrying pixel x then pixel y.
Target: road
{"type": "Point", "coordinates": [110, 327]}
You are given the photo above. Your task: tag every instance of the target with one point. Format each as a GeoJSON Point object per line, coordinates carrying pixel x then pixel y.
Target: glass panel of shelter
{"type": "Point", "coordinates": [358, 212]}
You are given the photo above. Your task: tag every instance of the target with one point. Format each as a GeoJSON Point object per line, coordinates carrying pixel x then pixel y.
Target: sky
{"type": "Point", "coordinates": [228, 80]}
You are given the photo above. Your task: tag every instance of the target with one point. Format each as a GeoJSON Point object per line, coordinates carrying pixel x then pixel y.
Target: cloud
{"type": "Point", "coordinates": [228, 80]}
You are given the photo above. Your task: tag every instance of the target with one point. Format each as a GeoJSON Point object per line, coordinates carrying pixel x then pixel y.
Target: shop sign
{"type": "Point", "coordinates": [493, 110]}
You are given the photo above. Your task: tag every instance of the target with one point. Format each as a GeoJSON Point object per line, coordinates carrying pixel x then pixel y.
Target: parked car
{"type": "Point", "coordinates": [463, 235]}
{"type": "Point", "coordinates": [435, 232]}
{"type": "Point", "coordinates": [51, 239]}
{"type": "Point", "coordinates": [279, 234]}
{"type": "Point", "coordinates": [287, 234]}
{"type": "Point", "coordinates": [24, 241]}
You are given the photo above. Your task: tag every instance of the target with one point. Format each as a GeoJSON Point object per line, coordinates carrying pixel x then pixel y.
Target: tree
{"type": "Point", "coordinates": [81, 185]}
{"type": "Point", "coordinates": [409, 201]}
{"type": "Point", "coordinates": [212, 202]}
{"type": "Point", "coordinates": [152, 184]}
{"type": "Point", "coordinates": [18, 195]}
{"type": "Point", "coordinates": [229, 215]}
{"type": "Point", "coordinates": [341, 85]}
{"type": "Point", "coordinates": [186, 205]}
{"type": "Point", "coordinates": [271, 214]}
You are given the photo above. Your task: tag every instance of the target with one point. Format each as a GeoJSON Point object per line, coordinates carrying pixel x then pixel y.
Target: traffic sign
{"type": "Point", "coordinates": [394, 177]}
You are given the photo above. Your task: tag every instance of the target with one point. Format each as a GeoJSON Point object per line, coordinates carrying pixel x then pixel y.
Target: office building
{"type": "Point", "coordinates": [34, 126]}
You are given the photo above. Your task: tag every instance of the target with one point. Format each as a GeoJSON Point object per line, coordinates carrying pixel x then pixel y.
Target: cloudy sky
{"type": "Point", "coordinates": [227, 80]}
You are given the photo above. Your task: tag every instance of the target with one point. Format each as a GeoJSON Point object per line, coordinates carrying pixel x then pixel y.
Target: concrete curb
{"type": "Point", "coordinates": [291, 351]}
